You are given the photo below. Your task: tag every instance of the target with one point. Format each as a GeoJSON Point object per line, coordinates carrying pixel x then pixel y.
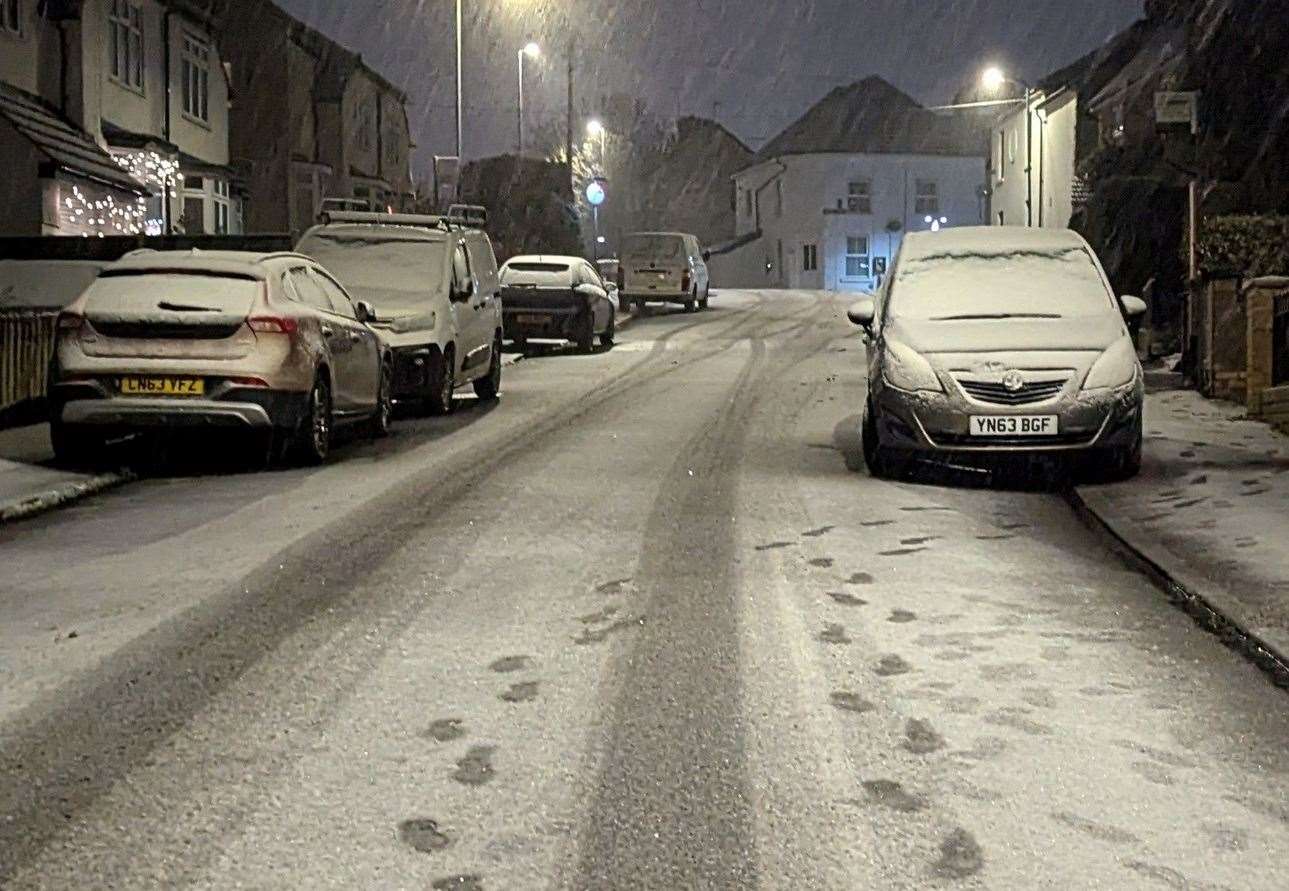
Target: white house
{"type": "Point", "coordinates": [114, 119]}
{"type": "Point", "coordinates": [1033, 167]}
{"type": "Point", "coordinates": [825, 204]}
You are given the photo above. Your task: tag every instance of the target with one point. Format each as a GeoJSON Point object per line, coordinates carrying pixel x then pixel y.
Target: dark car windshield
{"type": "Point", "coordinates": [653, 247]}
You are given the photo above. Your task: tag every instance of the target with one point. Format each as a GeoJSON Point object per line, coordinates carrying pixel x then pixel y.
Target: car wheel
{"type": "Point", "coordinates": [487, 388]}
{"type": "Point", "coordinates": [384, 416]}
{"type": "Point", "coordinates": [442, 385]}
{"type": "Point", "coordinates": [586, 334]}
{"type": "Point", "coordinates": [692, 303]}
{"type": "Point", "coordinates": [702, 304]}
{"type": "Point", "coordinates": [313, 444]}
{"type": "Point", "coordinates": [606, 338]}
{"type": "Point", "coordinates": [880, 458]}
{"type": "Point", "coordinates": [641, 308]}
{"type": "Point", "coordinates": [75, 446]}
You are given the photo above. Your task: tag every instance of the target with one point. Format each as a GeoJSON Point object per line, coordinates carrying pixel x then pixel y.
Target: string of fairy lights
{"type": "Point", "coordinates": [106, 215]}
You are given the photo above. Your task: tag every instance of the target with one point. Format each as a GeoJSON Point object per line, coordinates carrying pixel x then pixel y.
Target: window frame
{"type": "Point", "coordinates": [126, 46]}
{"type": "Point", "coordinates": [194, 91]}
{"type": "Point", "coordinates": [926, 203]}
{"type": "Point", "coordinates": [810, 257]}
{"type": "Point", "coordinates": [11, 18]}
{"type": "Point", "coordinates": [347, 310]}
{"type": "Point", "coordinates": [302, 293]}
{"type": "Point", "coordinates": [866, 255]}
{"type": "Point", "coordinates": [859, 196]}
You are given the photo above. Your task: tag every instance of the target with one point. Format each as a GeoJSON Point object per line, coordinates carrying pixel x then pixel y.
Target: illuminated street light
{"type": "Point", "coordinates": [532, 51]}
{"type": "Point", "coordinates": [993, 79]}
{"type": "Point", "coordinates": [594, 128]}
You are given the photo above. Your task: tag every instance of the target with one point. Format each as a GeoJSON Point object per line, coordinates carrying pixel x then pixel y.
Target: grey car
{"type": "Point", "coordinates": [1000, 341]}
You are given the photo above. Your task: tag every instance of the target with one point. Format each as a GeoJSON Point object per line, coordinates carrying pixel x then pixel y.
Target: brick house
{"type": "Point", "coordinates": [315, 121]}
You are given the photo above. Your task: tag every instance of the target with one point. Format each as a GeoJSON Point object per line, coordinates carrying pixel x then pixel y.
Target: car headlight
{"type": "Point", "coordinates": [905, 369]}
{"type": "Point", "coordinates": [1116, 367]}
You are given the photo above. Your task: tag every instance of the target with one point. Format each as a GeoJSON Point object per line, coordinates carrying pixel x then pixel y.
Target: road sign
{"type": "Point", "coordinates": [595, 193]}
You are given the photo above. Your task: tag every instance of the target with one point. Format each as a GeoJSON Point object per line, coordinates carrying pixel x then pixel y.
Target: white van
{"type": "Point", "coordinates": [434, 288]}
{"type": "Point", "coordinates": [663, 267]}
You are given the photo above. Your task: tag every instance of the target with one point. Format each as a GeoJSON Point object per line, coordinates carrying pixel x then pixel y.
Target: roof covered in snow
{"type": "Point", "coordinates": [873, 117]}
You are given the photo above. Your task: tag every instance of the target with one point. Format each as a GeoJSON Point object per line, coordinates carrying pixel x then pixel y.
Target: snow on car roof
{"type": "Point", "coordinates": [246, 264]}
{"type": "Point", "coordinates": [985, 241]}
{"type": "Point", "coordinates": [544, 258]}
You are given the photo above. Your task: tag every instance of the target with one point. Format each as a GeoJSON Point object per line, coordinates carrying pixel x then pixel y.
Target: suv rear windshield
{"type": "Point", "coordinates": [1048, 283]}
{"type": "Point", "coordinates": [654, 247]}
{"type": "Point", "coordinates": [392, 273]}
{"type": "Point", "coordinates": [537, 274]}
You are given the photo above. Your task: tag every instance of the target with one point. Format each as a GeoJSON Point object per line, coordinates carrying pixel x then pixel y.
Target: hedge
{"type": "Point", "coordinates": [1248, 246]}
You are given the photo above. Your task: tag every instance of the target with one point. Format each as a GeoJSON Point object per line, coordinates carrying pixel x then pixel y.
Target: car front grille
{"type": "Point", "coordinates": [995, 393]}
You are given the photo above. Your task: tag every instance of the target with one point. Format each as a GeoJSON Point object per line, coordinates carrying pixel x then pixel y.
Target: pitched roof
{"type": "Point", "coordinates": [873, 117]}
{"type": "Point", "coordinates": [60, 141]}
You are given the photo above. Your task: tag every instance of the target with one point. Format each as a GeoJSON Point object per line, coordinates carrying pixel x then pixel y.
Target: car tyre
{"type": "Point", "coordinates": [883, 462]}
{"type": "Point", "coordinates": [586, 334]}
{"type": "Point", "coordinates": [702, 304]}
{"type": "Point", "coordinates": [691, 305]}
{"type": "Point", "coordinates": [609, 333]}
{"type": "Point", "coordinates": [75, 446]}
{"type": "Point", "coordinates": [489, 386]}
{"type": "Point", "coordinates": [313, 439]}
{"type": "Point", "coordinates": [383, 418]}
{"type": "Point", "coordinates": [442, 385]}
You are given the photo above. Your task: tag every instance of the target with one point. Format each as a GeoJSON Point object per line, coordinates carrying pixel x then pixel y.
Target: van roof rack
{"type": "Point", "coordinates": [425, 221]}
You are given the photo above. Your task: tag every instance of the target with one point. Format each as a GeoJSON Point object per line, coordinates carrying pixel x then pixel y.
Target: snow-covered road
{"type": "Point", "coordinates": [636, 627]}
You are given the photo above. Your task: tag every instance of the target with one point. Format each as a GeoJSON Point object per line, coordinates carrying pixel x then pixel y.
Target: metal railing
{"type": "Point", "coordinates": [26, 346]}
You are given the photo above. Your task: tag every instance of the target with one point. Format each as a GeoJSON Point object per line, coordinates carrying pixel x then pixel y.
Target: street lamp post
{"type": "Point", "coordinates": [531, 51]}
{"type": "Point", "coordinates": [459, 86]}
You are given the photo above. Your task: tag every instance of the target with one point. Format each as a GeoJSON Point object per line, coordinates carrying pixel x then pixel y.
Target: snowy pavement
{"type": "Point", "coordinates": [30, 484]}
{"type": "Point", "coordinates": [1211, 507]}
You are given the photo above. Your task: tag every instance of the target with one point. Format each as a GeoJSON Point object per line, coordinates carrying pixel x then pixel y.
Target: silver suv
{"type": "Point", "coordinates": [218, 339]}
{"type": "Point", "coordinates": [434, 290]}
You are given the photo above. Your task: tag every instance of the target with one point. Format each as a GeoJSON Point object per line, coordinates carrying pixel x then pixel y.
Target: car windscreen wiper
{"type": "Point", "coordinates": [183, 307]}
{"type": "Point", "coordinates": [997, 315]}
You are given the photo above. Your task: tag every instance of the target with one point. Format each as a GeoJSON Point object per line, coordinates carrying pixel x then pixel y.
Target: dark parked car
{"type": "Point", "coordinates": [556, 298]}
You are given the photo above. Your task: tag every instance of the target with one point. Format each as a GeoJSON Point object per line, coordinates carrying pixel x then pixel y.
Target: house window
{"type": "Point", "coordinates": [859, 196]}
{"type": "Point", "coordinates": [858, 260]}
{"type": "Point", "coordinates": [747, 202]}
{"type": "Point", "coordinates": [809, 257]}
{"type": "Point", "coordinates": [194, 208]}
{"type": "Point", "coordinates": [196, 77]}
{"type": "Point", "coordinates": [928, 197]}
{"type": "Point", "coordinates": [1000, 167]}
{"type": "Point", "coordinates": [221, 207]}
{"type": "Point", "coordinates": [125, 43]}
{"type": "Point", "coordinates": [1012, 144]}
{"type": "Point", "coordinates": [778, 195]}
{"type": "Point", "coordinates": [11, 16]}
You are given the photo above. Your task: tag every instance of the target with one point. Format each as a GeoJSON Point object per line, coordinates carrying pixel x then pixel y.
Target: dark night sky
{"type": "Point", "coordinates": [754, 65]}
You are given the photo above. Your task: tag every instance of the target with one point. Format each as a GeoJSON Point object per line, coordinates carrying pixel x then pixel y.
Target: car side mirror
{"type": "Point", "coordinates": [366, 312]}
{"type": "Point", "coordinates": [1133, 307]}
{"type": "Point", "coordinates": [862, 312]}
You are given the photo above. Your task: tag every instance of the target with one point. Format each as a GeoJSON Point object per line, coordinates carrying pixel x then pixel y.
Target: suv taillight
{"type": "Point", "coordinates": [273, 325]}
